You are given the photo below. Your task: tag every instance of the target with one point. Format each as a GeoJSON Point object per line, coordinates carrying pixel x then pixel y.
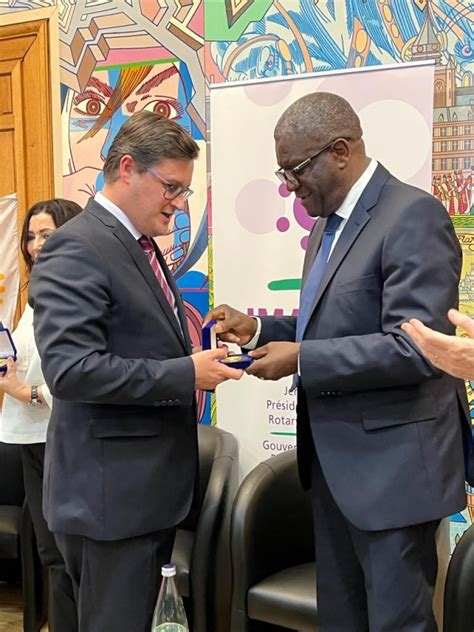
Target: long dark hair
{"type": "Point", "coordinates": [61, 212]}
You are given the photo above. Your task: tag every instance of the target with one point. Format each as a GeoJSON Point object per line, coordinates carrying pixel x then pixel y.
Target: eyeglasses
{"type": "Point", "coordinates": [172, 191]}
{"type": "Point", "coordinates": [291, 175]}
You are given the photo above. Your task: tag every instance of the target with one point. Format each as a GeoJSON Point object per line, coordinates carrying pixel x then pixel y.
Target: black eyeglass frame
{"type": "Point", "coordinates": [291, 175]}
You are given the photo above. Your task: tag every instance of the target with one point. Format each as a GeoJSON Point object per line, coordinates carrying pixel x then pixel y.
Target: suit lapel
{"type": "Point", "coordinates": [356, 222]}
{"type": "Point", "coordinates": [314, 241]}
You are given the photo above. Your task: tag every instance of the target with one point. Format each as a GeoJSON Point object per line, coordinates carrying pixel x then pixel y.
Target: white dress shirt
{"type": "Point", "coordinates": [19, 422]}
{"type": "Point", "coordinates": [344, 211]}
{"type": "Point", "coordinates": [351, 199]}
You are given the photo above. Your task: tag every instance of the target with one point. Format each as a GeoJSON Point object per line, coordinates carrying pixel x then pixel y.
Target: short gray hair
{"type": "Point", "coordinates": [322, 115]}
{"type": "Point", "coordinates": [149, 138]}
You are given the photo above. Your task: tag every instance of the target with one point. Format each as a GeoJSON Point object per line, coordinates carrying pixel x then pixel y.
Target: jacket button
{"type": "Point", "coordinates": [170, 402]}
{"type": "Point", "coordinates": [156, 403]}
{"type": "Point", "coordinates": [177, 402]}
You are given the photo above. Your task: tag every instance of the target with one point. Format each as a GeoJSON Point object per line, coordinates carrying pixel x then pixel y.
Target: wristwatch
{"type": "Point", "coordinates": [34, 401]}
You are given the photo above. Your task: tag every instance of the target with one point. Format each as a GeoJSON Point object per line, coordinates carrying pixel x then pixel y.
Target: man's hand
{"type": "Point", "coordinates": [232, 325]}
{"type": "Point", "coordinates": [209, 373]}
{"type": "Point", "coordinates": [452, 354]}
{"type": "Point", "coordinates": [275, 360]}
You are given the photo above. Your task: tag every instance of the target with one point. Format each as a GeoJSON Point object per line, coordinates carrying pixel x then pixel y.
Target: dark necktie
{"type": "Point", "coordinates": [313, 281]}
{"type": "Point", "coordinates": [149, 249]}
{"type": "Point", "coordinates": [315, 275]}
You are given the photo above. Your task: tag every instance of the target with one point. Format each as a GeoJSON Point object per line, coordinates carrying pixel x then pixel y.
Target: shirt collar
{"type": "Point", "coordinates": [117, 213]}
{"type": "Point", "coordinates": [346, 208]}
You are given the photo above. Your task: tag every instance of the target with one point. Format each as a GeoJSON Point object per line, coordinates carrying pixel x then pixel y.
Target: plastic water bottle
{"type": "Point", "coordinates": [169, 615]}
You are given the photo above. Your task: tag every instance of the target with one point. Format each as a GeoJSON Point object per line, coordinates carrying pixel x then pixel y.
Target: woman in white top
{"type": "Point", "coordinates": [26, 410]}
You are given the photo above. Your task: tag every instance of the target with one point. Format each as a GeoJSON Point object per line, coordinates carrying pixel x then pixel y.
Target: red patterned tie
{"type": "Point", "coordinates": [149, 249]}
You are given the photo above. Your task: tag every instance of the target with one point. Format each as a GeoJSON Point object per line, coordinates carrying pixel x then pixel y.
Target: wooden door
{"type": "Point", "coordinates": [26, 146]}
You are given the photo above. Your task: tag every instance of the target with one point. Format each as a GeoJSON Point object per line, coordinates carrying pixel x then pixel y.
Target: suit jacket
{"type": "Point", "coordinates": [121, 450]}
{"type": "Point", "coordinates": [385, 423]}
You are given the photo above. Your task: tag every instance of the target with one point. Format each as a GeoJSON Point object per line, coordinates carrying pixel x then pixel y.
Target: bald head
{"type": "Point", "coordinates": [321, 116]}
{"type": "Point", "coordinates": [319, 147]}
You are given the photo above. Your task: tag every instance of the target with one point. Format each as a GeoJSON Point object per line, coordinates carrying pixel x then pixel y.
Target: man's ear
{"type": "Point", "coordinates": [127, 168]}
{"type": "Point", "coordinates": [341, 152]}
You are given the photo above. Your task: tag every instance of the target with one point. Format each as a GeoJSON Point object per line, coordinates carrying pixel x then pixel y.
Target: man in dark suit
{"type": "Point", "coordinates": [121, 452]}
{"type": "Point", "coordinates": [379, 428]}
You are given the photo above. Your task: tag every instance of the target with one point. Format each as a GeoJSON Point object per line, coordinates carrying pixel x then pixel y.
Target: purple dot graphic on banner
{"type": "Point", "coordinates": [283, 191]}
{"type": "Point", "coordinates": [301, 216]}
{"type": "Point", "coordinates": [283, 224]}
{"type": "Point", "coordinates": [258, 206]}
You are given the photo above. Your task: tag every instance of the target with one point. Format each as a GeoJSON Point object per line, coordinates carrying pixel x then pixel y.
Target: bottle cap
{"type": "Point", "coordinates": [168, 570]}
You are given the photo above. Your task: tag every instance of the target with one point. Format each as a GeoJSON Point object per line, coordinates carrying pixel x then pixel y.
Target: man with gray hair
{"type": "Point", "coordinates": [379, 427]}
{"type": "Point", "coordinates": [121, 454]}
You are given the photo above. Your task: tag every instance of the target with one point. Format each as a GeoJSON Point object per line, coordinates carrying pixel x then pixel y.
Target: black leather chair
{"type": "Point", "coordinates": [12, 494]}
{"type": "Point", "coordinates": [272, 549]}
{"type": "Point", "coordinates": [202, 548]}
{"type": "Point", "coordinates": [459, 587]}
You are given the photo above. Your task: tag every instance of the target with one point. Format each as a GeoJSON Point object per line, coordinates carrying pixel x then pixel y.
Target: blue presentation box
{"type": "Point", "coordinates": [7, 347]}
{"type": "Point", "coordinates": [209, 336]}
{"type": "Point", "coordinates": [209, 341]}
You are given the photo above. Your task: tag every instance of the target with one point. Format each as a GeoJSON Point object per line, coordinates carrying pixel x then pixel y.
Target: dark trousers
{"type": "Point", "coordinates": [116, 583]}
{"type": "Point", "coordinates": [377, 581]}
{"type": "Point", "coordinates": [62, 615]}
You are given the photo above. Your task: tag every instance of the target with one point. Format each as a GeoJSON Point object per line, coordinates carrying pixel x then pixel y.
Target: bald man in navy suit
{"type": "Point", "coordinates": [379, 428]}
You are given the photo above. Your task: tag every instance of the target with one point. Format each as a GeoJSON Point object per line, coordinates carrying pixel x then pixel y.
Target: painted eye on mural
{"type": "Point", "coordinates": [267, 63]}
{"type": "Point", "coordinates": [270, 62]}
{"type": "Point", "coordinates": [89, 103]}
{"type": "Point", "coordinates": [168, 108]}
{"type": "Point", "coordinates": [466, 50]}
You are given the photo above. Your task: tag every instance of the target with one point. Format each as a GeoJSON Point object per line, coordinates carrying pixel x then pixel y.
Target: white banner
{"type": "Point", "coordinates": [9, 271]}
{"type": "Point", "coordinates": [259, 231]}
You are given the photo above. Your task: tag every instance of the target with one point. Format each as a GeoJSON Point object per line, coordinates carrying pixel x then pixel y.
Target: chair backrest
{"type": "Point", "coordinates": [209, 519]}
{"type": "Point", "coordinates": [459, 587]}
{"type": "Point", "coordinates": [12, 494]}
{"type": "Point", "coordinates": [12, 491]}
{"type": "Point", "coordinates": [208, 438]}
{"type": "Point", "coordinates": [271, 525]}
